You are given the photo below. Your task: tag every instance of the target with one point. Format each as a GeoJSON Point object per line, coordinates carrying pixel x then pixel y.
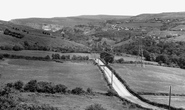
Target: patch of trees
{"type": "Point", "coordinates": [9, 47]}
{"type": "Point", "coordinates": [107, 57]}
{"type": "Point", "coordinates": [46, 87]}
{"type": "Point", "coordinates": [35, 46]}
{"type": "Point", "coordinates": [46, 33]}
{"type": "Point", "coordinates": [13, 34]}
{"type": "Point", "coordinates": [46, 58]}
{"type": "Point", "coordinates": [163, 52]}
{"type": "Point", "coordinates": [67, 57]}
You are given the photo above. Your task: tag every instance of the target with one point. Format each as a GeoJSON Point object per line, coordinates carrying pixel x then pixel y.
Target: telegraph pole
{"type": "Point", "coordinates": [170, 98]}
{"type": "Point", "coordinates": [112, 72]}
{"type": "Point", "coordinates": [139, 58]}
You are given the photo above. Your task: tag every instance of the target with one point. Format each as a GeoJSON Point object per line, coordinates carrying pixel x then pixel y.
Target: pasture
{"type": "Point", "coordinates": [71, 74]}
{"type": "Point", "coordinates": [153, 79]}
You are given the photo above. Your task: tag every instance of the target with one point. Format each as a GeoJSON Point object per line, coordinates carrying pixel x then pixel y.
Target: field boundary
{"type": "Point", "coordinates": [109, 85]}
{"type": "Point", "coordinates": [137, 95]}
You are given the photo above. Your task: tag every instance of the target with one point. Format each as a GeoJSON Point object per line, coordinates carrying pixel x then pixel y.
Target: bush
{"type": "Point", "coordinates": [31, 86]}
{"type": "Point", "coordinates": [60, 88]}
{"type": "Point", "coordinates": [77, 91]}
{"type": "Point", "coordinates": [17, 48]}
{"type": "Point", "coordinates": [45, 87]}
{"type": "Point", "coordinates": [1, 56]}
{"type": "Point", "coordinates": [110, 93]}
{"type": "Point", "coordinates": [18, 85]}
{"type": "Point", "coordinates": [95, 107]}
{"type": "Point", "coordinates": [89, 90]}
{"type": "Point", "coordinates": [121, 60]}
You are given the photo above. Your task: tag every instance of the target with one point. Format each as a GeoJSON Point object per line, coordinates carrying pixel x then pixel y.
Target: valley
{"type": "Point", "coordinates": [62, 50]}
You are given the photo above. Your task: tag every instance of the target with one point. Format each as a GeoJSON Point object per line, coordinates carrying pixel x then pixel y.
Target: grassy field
{"type": "Point", "coordinates": [153, 79]}
{"type": "Point", "coordinates": [77, 102]}
{"type": "Point", "coordinates": [176, 101]}
{"type": "Point", "coordinates": [70, 74]}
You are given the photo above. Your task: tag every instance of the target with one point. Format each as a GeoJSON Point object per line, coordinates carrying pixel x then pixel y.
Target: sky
{"type": "Point", "coordinates": [13, 9]}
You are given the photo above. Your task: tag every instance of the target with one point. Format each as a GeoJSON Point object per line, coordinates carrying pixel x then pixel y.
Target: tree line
{"type": "Point", "coordinates": [163, 52]}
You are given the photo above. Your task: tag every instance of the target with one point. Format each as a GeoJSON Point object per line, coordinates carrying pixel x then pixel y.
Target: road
{"type": "Point", "coordinates": [120, 88]}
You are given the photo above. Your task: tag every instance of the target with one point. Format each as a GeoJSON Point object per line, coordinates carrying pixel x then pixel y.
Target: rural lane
{"type": "Point", "coordinates": [120, 88]}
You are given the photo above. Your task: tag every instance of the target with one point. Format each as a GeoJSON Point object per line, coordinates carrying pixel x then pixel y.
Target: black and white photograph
{"type": "Point", "coordinates": [92, 55]}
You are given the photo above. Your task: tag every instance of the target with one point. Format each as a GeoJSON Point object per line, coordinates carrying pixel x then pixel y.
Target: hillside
{"type": "Point", "coordinates": [29, 38]}
{"type": "Point", "coordinates": [101, 32]}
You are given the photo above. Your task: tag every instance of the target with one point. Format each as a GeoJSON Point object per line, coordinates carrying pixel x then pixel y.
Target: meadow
{"type": "Point", "coordinates": [71, 74]}
{"type": "Point", "coordinates": [154, 79]}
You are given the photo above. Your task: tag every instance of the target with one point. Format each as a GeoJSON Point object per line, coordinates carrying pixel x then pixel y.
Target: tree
{"type": "Point", "coordinates": [1, 56]}
{"type": "Point", "coordinates": [47, 57]}
{"type": "Point", "coordinates": [108, 58]}
{"type": "Point", "coordinates": [18, 85]}
{"type": "Point", "coordinates": [78, 91]}
{"type": "Point", "coordinates": [60, 88]}
{"type": "Point", "coordinates": [31, 86]}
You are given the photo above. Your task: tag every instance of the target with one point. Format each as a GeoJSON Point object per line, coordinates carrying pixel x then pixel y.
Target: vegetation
{"type": "Point", "coordinates": [163, 52]}
{"type": "Point", "coordinates": [95, 107]}
{"type": "Point", "coordinates": [13, 34]}
{"type": "Point", "coordinates": [137, 95]}
{"type": "Point", "coordinates": [108, 58]}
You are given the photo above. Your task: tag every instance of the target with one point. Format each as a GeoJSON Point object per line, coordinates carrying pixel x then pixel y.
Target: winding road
{"type": "Point", "coordinates": [120, 88]}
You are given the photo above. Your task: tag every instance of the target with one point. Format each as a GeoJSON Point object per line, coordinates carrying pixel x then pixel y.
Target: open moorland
{"type": "Point", "coordinates": [154, 79]}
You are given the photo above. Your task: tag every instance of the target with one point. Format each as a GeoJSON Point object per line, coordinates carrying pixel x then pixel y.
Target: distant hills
{"type": "Point", "coordinates": [66, 21]}
{"type": "Point", "coordinates": [88, 32]}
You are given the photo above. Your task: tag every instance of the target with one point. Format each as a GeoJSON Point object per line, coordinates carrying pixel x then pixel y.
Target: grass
{"type": "Point", "coordinates": [176, 101]}
{"type": "Point", "coordinates": [84, 75]}
{"type": "Point", "coordinates": [76, 102]}
{"type": "Point", "coordinates": [153, 79]}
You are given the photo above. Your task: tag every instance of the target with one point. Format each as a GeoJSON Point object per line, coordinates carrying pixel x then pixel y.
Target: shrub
{"type": "Point", "coordinates": [17, 48]}
{"type": "Point", "coordinates": [95, 107]}
{"type": "Point", "coordinates": [110, 93]}
{"type": "Point", "coordinates": [121, 60]}
{"type": "Point", "coordinates": [47, 57]}
{"type": "Point", "coordinates": [18, 85]}
{"type": "Point", "coordinates": [77, 91]}
{"type": "Point", "coordinates": [10, 85]}
{"type": "Point", "coordinates": [1, 56]}
{"type": "Point", "coordinates": [60, 88]}
{"type": "Point", "coordinates": [45, 87]}
{"type": "Point", "coordinates": [89, 90]}
{"type": "Point", "coordinates": [31, 86]}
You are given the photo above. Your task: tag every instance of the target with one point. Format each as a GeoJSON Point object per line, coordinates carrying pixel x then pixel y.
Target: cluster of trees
{"type": "Point", "coordinates": [163, 52]}
{"type": "Point", "coordinates": [8, 47]}
{"type": "Point", "coordinates": [47, 57]}
{"type": "Point", "coordinates": [46, 33]}
{"type": "Point", "coordinates": [35, 46]}
{"type": "Point", "coordinates": [25, 46]}
{"type": "Point", "coordinates": [67, 57]}
{"type": "Point", "coordinates": [13, 34]}
{"type": "Point", "coordinates": [107, 57]}
{"type": "Point", "coordinates": [46, 87]}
